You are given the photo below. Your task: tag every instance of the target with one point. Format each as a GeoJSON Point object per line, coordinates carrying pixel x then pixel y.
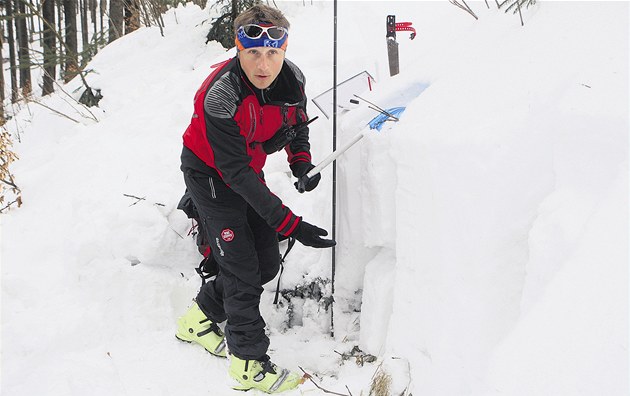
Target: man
{"type": "Point", "coordinates": [242, 105]}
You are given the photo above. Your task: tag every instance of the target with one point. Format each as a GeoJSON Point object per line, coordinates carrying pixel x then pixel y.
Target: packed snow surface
{"type": "Point", "coordinates": [482, 239]}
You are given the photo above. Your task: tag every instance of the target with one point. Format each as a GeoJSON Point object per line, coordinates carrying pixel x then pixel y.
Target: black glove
{"type": "Point", "coordinates": [310, 235]}
{"type": "Point", "coordinates": [281, 138]}
{"type": "Point", "coordinates": [300, 169]}
{"type": "Point", "coordinates": [284, 136]}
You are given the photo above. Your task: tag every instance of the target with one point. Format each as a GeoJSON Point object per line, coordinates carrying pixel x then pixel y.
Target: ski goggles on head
{"type": "Point", "coordinates": [256, 35]}
{"type": "Point", "coordinates": [254, 31]}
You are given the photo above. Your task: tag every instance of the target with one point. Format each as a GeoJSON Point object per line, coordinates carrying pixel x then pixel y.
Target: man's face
{"type": "Point", "coordinates": [261, 64]}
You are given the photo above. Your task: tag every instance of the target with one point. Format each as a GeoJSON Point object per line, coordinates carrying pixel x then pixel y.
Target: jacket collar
{"type": "Point", "coordinates": [285, 90]}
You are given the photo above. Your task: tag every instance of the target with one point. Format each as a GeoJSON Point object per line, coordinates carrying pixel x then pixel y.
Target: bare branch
{"type": "Point", "coordinates": [9, 183]}
{"type": "Point", "coordinates": [138, 199]}
{"type": "Point", "coordinates": [310, 377]}
{"type": "Point", "coordinates": [53, 110]}
{"type": "Point", "coordinates": [464, 7]}
{"type": "Point", "coordinates": [76, 101]}
{"type": "Point", "coordinates": [18, 201]}
{"type": "Point", "coordinates": [519, 12]}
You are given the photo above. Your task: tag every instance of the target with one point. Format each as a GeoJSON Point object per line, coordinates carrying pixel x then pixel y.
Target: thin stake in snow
{"type": "Point", "coordinates": [333, 258]}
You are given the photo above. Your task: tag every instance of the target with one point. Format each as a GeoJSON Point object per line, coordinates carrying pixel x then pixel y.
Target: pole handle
{"type": "Point", "coordinates": [391, 27]}
{"type": "Point", "coordinates": [302, 181]}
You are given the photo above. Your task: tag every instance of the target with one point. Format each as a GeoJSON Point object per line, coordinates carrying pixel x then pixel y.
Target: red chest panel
{"type": "Point", "coordinates": [256, 123]}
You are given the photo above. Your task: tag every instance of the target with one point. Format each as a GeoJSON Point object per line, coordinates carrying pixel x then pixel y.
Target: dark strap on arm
{"type": "Point", "coordinates": [289, 247]}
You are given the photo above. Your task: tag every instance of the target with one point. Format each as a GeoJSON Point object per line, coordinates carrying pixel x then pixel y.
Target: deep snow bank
{"type": "Point", "coordinates": [471, 233]}
{"type": "Point", "coordinates": [500, 175]}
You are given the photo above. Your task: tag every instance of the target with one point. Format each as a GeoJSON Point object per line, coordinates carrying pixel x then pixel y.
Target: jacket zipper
{"type": "Point", "coordinates": [252, 126]}
{"type": "Point", "coordinates": [284, 110]}
{"type": "Point", "coordinates": [212, 190]}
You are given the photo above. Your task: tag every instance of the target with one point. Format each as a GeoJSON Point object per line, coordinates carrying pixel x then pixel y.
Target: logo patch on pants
{"type": "Point", "coordinates": [227, 235]}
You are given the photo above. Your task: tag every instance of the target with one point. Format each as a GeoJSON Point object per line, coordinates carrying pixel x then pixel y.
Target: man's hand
{"type": "Point", "coordinates": [281, 138]}
{"type": "Point", "coordinates": [310, 235]}
{"type": "Point", "coordinates": [284, 136]}
{"type": "Point", "coordinates": [299, 170]}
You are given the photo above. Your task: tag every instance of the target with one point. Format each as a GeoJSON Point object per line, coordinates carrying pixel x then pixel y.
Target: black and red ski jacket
{"type": "Point", "coordinates": [232, 119]}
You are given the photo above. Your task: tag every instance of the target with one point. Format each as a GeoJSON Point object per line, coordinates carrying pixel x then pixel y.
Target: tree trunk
{"type": "Point", "coordinates": [102, 7]}
{"type": "Point", "coordinates": [2, 121]}
{"type": "Point", "coordinates": [93, 5]}
{"type": "Point", "coordinates": [85, 40]}
{"type": "Point", "coordinates": [115, 19]}
{"type": "Point", "coordinates": [60, 23]}
{"type": "Point", "coordinates": [24, 58]}
{"type": "Point", "coordinates": [12, 60]}
{"type": "Point", "coordinates": [49, 44]}
{"type": "Point", "coordinates": [70, 17]}
{"type": "Point", "coordinates": [132, 16]}
{"type": "Point", "coordinates": [31, 28]}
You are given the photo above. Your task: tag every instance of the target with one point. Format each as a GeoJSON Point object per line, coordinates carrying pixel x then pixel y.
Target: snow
{"type": "Point", "coordinates": [482, 239]}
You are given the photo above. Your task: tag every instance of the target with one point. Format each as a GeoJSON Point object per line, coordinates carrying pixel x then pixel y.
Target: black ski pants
{"type": "Point", "coordinates": [246, 249]}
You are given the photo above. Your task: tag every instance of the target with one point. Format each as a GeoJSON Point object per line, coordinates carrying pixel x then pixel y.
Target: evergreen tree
{"type": "Point", "coordinates": [55, 21]}
{"type": "Point", "coordinates": [222, 29]}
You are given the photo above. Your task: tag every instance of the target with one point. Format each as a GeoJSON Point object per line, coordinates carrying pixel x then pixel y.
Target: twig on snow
{"type": "Point", "coordinates": [13, 184]}
{"type": "Point", "coordinates": [18, 201]}
{"type": "Point", "coordinates": [310, 377]}
{"type": "Point", "coordinates": [178, 234]}
{"type": "Point", "coordinates": [138, 199]}
{"type": "Point", "coordinates": [518, 3]}
{"type": "Point", "coordinates": [53, 110]}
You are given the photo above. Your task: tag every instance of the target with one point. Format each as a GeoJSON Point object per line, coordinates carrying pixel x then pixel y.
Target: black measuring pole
{"type": "Point", "coordinates": [334, 177]}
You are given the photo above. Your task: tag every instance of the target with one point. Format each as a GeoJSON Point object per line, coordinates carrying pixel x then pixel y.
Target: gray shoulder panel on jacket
{"type": "Point", "coordinates": [296, 70]}
{"type": "Point", "coordinates": [222, 97]}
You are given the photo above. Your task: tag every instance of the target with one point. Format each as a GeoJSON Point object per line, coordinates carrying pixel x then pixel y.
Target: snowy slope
{"type": "Point", "coordinates": [482, 239]}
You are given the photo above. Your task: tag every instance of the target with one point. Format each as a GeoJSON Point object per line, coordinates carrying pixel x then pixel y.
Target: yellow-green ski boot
{"type": "Point", "coordinates": [262, 375]}
{"type": "Point", "coordinates": [194, 326]}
